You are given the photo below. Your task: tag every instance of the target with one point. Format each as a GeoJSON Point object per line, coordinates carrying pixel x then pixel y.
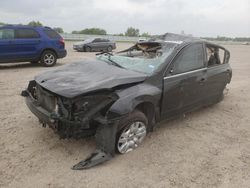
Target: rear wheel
{"type": "Point", "coordinates": [133, 130]}
{"type": "Point", "coordinates": [48, 58]}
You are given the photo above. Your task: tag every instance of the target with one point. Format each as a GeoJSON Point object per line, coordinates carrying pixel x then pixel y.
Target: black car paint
{"type": "Point", "coordinates": [83, 77]}
{"type": "Point", "coordinates": [162, 95]}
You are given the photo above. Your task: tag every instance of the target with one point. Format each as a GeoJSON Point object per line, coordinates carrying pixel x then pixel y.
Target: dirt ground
{"type": "Point", "coordinates": [207, 148]}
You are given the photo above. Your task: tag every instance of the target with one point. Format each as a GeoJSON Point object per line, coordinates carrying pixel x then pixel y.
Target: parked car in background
{"type": "Point", "coordinates": [19, 43]}
{"type": "Point", "coordinates": [142, 39]}
{"type": "Point", "coordinates": [95, 44]}
{"type": "Point", "coordinates": [119, 98]}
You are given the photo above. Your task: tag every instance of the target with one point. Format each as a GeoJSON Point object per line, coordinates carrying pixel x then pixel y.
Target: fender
{"type": "Point", "coordinates": [131, 97]}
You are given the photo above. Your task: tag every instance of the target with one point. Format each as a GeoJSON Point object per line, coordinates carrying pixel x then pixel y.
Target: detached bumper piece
{"type": "Point", "coordinates": [98, 157]}
{"type": "Point", "coordinates": [105, 147]}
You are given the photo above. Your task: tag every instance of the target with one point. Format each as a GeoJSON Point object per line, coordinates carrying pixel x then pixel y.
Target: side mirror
{"type": "Point", "coordinates": [171, 70]}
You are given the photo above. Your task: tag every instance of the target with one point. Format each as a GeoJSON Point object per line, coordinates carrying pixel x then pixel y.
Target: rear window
{"type": "Point", "coordinates": [216, 55]}
{"type": "Point", "coordinates": [26, 34]}
{"type": "Point", "coordinates": [52, 34]}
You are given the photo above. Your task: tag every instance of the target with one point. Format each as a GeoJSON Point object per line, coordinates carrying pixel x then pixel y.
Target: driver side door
{"type": "Point", "coordinates": [183, 84]}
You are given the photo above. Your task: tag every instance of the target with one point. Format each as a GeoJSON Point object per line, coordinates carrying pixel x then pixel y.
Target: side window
{"type": "Point", "coordinates": [97, 40]}
{"type": "Point", "coordinates": [26, 34]}
{"type": "Point", "coordinates": [6, 34]}
{"type": "Point", "coordinates": [215, 55]}
{"type": "Point", "coordinates": [190, 59]}
{"type": "Point", "coordinates": [52, 34]}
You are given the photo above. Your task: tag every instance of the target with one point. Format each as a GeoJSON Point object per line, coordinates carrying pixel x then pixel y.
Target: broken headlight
{"type": "Point", "coordinates": [88, 102]}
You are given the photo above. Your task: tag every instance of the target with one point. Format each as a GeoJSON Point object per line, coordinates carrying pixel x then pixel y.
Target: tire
{"type": "Point", "coordinates": [109, 49]}
{"type": "Point", "coordinates": [131, 132]}
{"type": "Point", "coordinates": [48, 58]}
{"type": "Point", "coordinates": [87, 49]}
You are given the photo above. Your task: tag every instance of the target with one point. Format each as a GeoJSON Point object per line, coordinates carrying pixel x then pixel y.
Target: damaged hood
{"type": "Point", "coordinates": [83, 77]}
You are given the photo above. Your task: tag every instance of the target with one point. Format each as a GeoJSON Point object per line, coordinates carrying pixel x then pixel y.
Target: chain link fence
{"type": "Point", "coordinates": [79, 37]}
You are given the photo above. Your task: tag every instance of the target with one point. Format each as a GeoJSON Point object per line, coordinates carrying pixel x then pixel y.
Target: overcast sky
{"type": "Point", "coordinates": [200, 18]}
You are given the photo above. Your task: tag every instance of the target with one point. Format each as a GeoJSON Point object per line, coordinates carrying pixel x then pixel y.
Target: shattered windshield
{"type": "Point", "coordinates": [143, 57]}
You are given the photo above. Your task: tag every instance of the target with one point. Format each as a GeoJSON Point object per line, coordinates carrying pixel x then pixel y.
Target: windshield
{"type": "Point", "coordinates": [88, 40]}
{"type": "Point", "coordinates": [141, 57]}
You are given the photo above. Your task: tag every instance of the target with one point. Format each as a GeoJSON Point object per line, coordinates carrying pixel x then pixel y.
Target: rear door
{"type": "Point", "coordinates": [184, 81]}
{"type": "Point", "coordinates": [7, 48]}
{"type": "Point", "coordinates": [96, 44]}
{"type": "Point", "coordinates": [27, 43]}
{"type": "Point", "coordinates": [219, 71]}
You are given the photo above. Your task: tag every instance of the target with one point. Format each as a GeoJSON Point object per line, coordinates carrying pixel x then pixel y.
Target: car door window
{"type": "Point", "coordinates": [104, 40]}
{"type": "Point", "coordinates": [216, 55]}
{"type": "Point", "coordinates": [26, 34]}
{"type": "Point", "coordinates": [7, 34]}
{"type": "Point", "coordinates": [97, 40]}
{"type": "Point", "coordinates": [190, 59]}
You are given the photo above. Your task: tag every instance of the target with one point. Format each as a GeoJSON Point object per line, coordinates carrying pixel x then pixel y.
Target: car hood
{"type": "Point", "coordinates": [87, 76]}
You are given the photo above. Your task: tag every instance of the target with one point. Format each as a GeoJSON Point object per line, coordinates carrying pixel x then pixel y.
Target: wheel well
{"type": "Point", "coordinates": [149, 110]}
{"type": "Point", "coordinates": [49, 49]}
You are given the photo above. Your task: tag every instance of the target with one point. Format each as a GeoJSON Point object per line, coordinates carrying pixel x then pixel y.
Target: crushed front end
{"type": "Point", "coordinates": [70, 118]}
{"type": "Point", "coordinates": [78, 117]}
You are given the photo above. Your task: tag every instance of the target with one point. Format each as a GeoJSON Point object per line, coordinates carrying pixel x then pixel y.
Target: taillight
{"type": "Point", "coordinates": [61, 41]}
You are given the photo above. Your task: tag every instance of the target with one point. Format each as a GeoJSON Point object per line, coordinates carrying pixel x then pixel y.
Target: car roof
{"type": "Point", "coordinates": [176, 38]}
{"type": "Point", "coordinates": [22, 26]}
{"type": "Point", "coordinates": [181, 40]}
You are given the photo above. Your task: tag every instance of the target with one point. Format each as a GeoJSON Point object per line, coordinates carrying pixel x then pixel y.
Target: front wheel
{"type": "Point", "coordinates": [109, 49]}
{"type": "Point", "coordinates": [48, 58]}
{"type": "Point", "coordinates": [133, 130]}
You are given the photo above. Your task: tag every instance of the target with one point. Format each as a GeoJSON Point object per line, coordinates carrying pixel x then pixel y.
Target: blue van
{"type": "Point", "coordinates": [19, 43]}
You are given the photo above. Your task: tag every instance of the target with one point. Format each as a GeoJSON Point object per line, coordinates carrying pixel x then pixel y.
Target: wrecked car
{"type": "Point", "coordinates": [120, 97]}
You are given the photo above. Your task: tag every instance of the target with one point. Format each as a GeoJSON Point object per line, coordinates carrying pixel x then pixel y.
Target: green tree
{"type": "Point", "coordinates": [1, 23]}
{"type": "Point", "coordinates": [91, 31]}
{"type": "Point", "coordinates": [34, 23]}
{"type": "Point", "coordinates": [145, 35]}
{"type": "Point", "coordinates": [132, 32]}
{"type": "Point", "coordinates": [58, 29]}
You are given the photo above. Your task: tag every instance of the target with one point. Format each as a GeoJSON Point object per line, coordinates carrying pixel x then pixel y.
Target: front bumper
{"type": "Point", "coordinates": [64, 127]}
{"type": "Point", "coordinates": [78, 48]}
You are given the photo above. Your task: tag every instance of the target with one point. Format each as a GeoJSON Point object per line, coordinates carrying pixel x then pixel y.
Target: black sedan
{"type": "Point", "coordinates": [94, 44]}
{"type": "Point", "coordinates": [120, 98]}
